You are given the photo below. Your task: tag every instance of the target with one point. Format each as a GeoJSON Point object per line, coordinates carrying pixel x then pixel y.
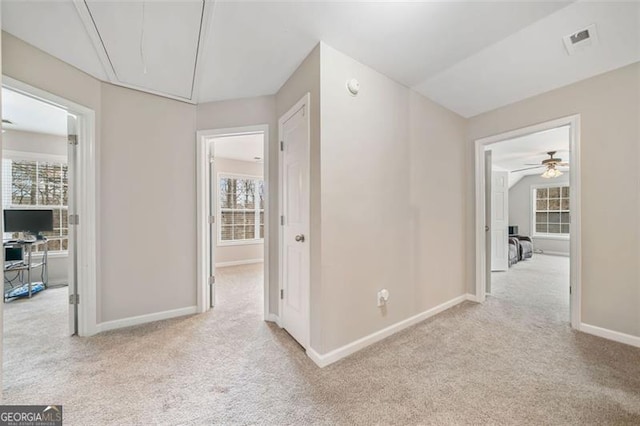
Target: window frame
{"type": "Point", "coordinates": [13, 155]}
{"type": "Point", "coordinates": [532, 211]}
{"type": "Point", "coordinates": [218, 207]}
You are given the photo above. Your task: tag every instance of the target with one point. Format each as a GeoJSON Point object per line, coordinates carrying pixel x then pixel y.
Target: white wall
{"type": "Point", "coordinates": [520, 208]}
{"type": "Point", "coordinates": [609, 106]}
{"type": "Point", "coordinates": [392, 208]}
{"type": "Point", "coordinates": [237, 253]}
{"type": "Point", "coordinates": [148, 250]}
{"type": "Point", "coordinates": [39, 143]}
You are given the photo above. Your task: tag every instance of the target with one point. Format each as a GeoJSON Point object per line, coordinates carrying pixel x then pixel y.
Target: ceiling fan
{"type": "Point", "coordinates": [550, 163]}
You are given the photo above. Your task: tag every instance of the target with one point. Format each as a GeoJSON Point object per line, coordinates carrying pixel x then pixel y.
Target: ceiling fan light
{"type": "Point", "coordinates": [551, 173]}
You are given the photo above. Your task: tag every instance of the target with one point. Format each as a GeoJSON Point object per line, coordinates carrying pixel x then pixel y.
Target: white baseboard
{"type": "Point", "coordinates": [472, 297]}
{"type": "Point", "coordinates": [238, 262]}
{"type": "Point", "coordinates": [274, 318]}
{"type": "Point", "coordinates": [143, 319]}
{"type": "Point", "coordinates": [611, 335]}
{"type": "Point", "coordinates": [346, 350]}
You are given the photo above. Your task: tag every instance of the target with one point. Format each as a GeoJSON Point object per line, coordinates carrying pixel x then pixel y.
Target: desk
{"type": "Point", "coordinates": [26, 264]}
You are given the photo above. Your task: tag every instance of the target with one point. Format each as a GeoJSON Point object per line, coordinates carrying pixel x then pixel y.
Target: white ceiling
{"type": "Point", "coordinates": [534, 60]}
{"type": "Point", "coordinates": [56, 28]}
{"type": "Point", "coordinates": [518, 153]}
{"type": "Point", "coordinates": [240, 147]}
{"type": "Point", "coordinates": [470, 56]}
{"type": "Point", "coordinates": [150, 45]}
{"type": "Point", "coordinates": [30, 115]}
{"type": "Point", "coordinates": [257, 45]}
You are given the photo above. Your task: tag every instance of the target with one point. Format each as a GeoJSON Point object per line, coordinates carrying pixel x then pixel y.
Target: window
{"type": "Point", "coordinates": [39, 184]}
{"type": "Point", "coordinates": [241, 206]}
{"type": "Point", "coordinates": [551, 211]}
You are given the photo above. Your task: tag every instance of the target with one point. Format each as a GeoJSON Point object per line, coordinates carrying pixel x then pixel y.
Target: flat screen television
{"type": "Point", "coordinates": [32, 221]}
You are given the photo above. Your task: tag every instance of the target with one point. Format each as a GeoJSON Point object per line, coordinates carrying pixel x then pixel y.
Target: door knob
{"type": "Point", "coordinates": [300, 238]}
{"type": "Point", "coordinates": [486, 229]}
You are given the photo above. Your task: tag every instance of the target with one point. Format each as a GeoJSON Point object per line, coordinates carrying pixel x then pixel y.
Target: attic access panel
{"type": "Point", "coordinates": [150, 45]}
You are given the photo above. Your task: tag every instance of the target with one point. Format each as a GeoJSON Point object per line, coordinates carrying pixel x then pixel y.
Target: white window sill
{"type": "Point", "coordinates": [51, 255]}
{"type": "Point", "coordinates": [240, 243]}
{"type": "Point", "coordinates": [551, 237]}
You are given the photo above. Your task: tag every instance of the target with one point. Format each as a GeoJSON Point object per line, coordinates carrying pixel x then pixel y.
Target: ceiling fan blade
{"type": "Point", "coordinates": [526, 168]}
{"type": "Point", "coordinates": [563, 164]}
{"type": "Point", "coordinates": [532, 164]}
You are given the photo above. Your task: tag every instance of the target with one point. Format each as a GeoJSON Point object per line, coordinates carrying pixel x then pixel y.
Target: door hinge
{"type": "Point", "coordinates": [281, 293]}
{"type": "Point", "coordinates": [212, 219]}
{"type": "Point", "coordinates": [281, 145]}
{"type": "Point", "coordinates": [74, 219]}
{"type": "Point", "coordinates": [212, 159]}
{"type": "Point", "coordinates": [74, 299]}
{"type": "Point", "coordinates": [212, 280]}
{"type": "Point", "coordinates": [73, 139]}
{"type": "Point", "coordinates": [281, 220]}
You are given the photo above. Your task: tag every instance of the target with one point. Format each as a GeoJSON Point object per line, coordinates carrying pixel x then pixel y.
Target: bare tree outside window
{"type": "Point", "coordinates": [241, 208]}
{"type": "Point", "coordinates": [551, 210]}
{"type": "Point", "coordinates": [41, 184]}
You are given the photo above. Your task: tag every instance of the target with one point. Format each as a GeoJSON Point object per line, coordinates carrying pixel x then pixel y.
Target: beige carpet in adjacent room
{"type": "Point", "coordinates": [513, 361]}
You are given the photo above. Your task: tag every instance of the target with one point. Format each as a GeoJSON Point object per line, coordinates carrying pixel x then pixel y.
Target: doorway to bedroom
{"type": "Point", "coordinates": [530, 197]}
{"type": "Point", "coordinates": [36, 240]}
{"type": "Point", "coordinates": [233, 234]}
{"type": "Point", "coordinates": [48, 148]}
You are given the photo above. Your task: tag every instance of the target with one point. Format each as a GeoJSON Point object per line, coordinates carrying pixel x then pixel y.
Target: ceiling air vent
{"type": "Point", "coordinates": [581, 40]}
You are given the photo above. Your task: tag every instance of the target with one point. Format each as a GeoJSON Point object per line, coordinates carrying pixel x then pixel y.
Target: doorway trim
{"type": "Point", "coordinates": [204, 140]}
{"type": "Point", "coordinates": [86, 205]}
{"type": "Point", "coordinates": [573, 121]}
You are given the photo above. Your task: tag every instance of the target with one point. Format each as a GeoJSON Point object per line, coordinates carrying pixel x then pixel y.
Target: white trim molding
{"type": "Point", "coordinates": [605, 333]}
{"type": "Point", "coordinates": [348, 349]}
{"type": "Point", "coordinates": [238, 262]}
{"type": "Point", "coordinates": [275, 319]}
{"type": "Point", "coordinates": [575, 279]}
{"type": "Point", "coordinates": [143, 319]}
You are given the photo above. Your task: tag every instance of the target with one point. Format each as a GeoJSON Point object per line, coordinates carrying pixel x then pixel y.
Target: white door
{"type": "Point", "coordinates": [499, 221]}
{"type": "Point", "coordinates": [487, 217]}
{"type": "Point", "coordinates": [213, 230]}
{"type": "Point", "coordinates": [294, 236]}
{"type": "Point", "coordinates": [72, 147]}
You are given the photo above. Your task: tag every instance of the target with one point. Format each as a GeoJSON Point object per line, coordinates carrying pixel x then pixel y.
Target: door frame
{"type": "Point", "coordinates": [304, 102]}
{"type": "Point", "coordinates": [87, 194]}
{"type": "Point", "coordinates": [575, 233]}
{"type": "Point", "coordinates": [204, 142]}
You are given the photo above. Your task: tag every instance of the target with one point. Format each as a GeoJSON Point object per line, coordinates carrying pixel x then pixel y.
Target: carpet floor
{"type": "Point", "coordinates": [512, 360]}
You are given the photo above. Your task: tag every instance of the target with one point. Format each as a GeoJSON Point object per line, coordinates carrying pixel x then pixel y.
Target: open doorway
{"type": "Point", "coordinates": [48, 183]}
{"type": "Point", "coordinates": [527, 212]}
{"type": "Point", "coordinates": [49, 215]}
{"type": "Point", "coordinates": [232, 231]}
{"type": "Point", "coordinates": [36, 240]}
